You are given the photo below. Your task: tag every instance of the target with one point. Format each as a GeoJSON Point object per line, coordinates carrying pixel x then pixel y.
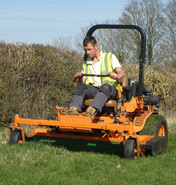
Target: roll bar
{"type": "Point", "coordinates": [143, 47]}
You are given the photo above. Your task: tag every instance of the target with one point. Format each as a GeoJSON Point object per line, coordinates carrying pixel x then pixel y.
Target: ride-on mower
{"type": "Point", "coordinates": [132, 119]}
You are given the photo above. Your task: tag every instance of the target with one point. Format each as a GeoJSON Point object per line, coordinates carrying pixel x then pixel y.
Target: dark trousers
{"type": "Point", "coordinates": [99, 94]}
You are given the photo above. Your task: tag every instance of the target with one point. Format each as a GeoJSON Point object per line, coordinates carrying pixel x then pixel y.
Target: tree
{"type": "Point", "coordinates": [108, 40]}
{"type": "Point", "coordinates": [64, 43]}
{"type": "Point", "coordinates": [157, 21]}
{"type": "Point", "coordinates": [169, 45]}
{"type": "Point", "coordinates": [147, 14]}
{"type": "Point", "coordinates": [80, 37]}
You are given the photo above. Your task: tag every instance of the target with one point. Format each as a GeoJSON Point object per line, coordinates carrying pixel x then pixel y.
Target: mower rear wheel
{"type": "Point", "coordinates": [156, 125]}
{"type": "Point", "coordinates": [15, 137]}
{"type": "Point", "coordinates": [130, 149]}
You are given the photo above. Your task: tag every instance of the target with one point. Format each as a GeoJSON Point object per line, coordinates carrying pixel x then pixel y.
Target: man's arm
{"type": "Point", "coordinates": [119, 73]}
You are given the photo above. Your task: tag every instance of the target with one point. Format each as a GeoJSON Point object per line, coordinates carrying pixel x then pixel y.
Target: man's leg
{"type": "Point", "coordinates": [81, 92]}
{"type": "Point", "coordinates": [105, 92]}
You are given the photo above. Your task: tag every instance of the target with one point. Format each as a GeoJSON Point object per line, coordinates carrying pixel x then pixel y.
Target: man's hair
{"type": "Point", "coordinates": [89, 40]}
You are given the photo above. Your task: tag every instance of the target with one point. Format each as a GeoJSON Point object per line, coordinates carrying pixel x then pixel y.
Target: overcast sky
{"type": "Point", "coordinates": [42, 21]}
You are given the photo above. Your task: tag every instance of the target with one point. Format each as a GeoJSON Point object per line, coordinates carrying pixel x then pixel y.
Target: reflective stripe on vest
{"type": "Point", "coordinates": [106, 67]}
{"type": "Point", "coordinates": [86, 71]}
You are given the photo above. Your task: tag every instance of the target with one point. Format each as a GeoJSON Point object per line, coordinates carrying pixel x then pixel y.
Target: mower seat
{"type": "Point", "coordinates": [109, 103]}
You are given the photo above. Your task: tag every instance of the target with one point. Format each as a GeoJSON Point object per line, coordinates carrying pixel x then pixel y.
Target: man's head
{"type": "Point", "coordinates": [90, 46]}
{"type": "Point", "coordinates": [89, 40]}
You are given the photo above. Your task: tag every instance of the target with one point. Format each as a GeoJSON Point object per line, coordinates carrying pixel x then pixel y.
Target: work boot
{"type": "Point", "coordinates": [90, 112]}
{"type": "Point", "coordinates": [73, 111]}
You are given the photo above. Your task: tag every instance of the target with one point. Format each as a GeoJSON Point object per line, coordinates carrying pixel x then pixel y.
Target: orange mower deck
{"type": "Point", "coordinates": [102, 128]}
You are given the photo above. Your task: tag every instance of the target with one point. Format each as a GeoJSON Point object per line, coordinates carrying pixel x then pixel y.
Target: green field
{"type": "Point", "coordinates": [65, 161]}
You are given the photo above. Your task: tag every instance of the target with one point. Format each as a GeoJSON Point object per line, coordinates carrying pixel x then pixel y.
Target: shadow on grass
{"type": "Point", "coordinates": [81, 145]}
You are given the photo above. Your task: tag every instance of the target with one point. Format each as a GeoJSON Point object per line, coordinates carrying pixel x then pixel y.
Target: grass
{"type": "Point", "coordinates": [74, 162]}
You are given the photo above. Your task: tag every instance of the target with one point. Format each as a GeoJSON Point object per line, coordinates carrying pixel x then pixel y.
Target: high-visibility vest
{"type": "Point", "coordinates": [106, 67]}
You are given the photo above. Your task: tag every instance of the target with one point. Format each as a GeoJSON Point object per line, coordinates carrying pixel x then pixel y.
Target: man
{"type": "Point", "coordinates": [100, 89]}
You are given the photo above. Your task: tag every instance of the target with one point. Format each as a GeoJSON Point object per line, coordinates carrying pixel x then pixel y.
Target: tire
{"type": "Point", "coordinates": [129, 149]}
{"type": "Point", "coordinates": [156, 125]}
{"type": "Point", "coordinates": [15, 137]}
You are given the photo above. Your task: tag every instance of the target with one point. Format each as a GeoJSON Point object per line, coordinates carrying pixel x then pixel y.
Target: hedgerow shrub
{"type": "Point", "coordinates": [35, 78]}
{"type": "Point", "coordinates": [161, 79]}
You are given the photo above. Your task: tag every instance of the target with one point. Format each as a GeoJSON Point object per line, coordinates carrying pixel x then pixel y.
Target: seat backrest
{"type": "Point", "coordinates": [124, 81]}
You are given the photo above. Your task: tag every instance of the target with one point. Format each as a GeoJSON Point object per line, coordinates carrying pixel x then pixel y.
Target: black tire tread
{"type": "Point", "coordinates": [129, 148]}
{"type": "Point", "coordinates": [15, 136]}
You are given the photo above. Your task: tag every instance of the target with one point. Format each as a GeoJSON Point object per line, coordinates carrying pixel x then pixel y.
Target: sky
{"type": "Point", "coordinates": [43, 21]}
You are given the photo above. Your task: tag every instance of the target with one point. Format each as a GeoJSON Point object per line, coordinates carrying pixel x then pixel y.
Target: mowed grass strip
{"type": "Point", "coordinates": [65, 161]}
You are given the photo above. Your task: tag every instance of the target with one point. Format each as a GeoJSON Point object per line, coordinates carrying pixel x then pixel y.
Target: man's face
{"type": "Point", "coordinates": [91, 50]}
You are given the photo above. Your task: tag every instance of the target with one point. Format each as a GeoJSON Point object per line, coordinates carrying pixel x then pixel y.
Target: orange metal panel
{"type": "Point", "coordinates": [140, 119]}
{"type": "Point", "coordinates": [80, 122]}
{"type": "Point", "coordinates": [135, 104]}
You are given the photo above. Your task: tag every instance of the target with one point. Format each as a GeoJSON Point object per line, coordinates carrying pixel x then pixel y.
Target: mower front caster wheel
{"type": "Point", "coordinates": [15, 137]}
{"type": "Point", "coordinates": [130, 149]}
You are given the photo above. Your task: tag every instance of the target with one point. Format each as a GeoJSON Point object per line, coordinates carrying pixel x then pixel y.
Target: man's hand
{"type": "Point", "coordinates": [78, 75]}
{"type": "Point", "coordinates": [119, 73]}
{"type": "Point", "coordinates": [113, 75]}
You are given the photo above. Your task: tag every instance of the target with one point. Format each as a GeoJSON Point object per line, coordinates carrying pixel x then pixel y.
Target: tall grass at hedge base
{"type": "Point", "coordinates": [35, 78]}
{"type": "Point", "coordinates": [2, 118]}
